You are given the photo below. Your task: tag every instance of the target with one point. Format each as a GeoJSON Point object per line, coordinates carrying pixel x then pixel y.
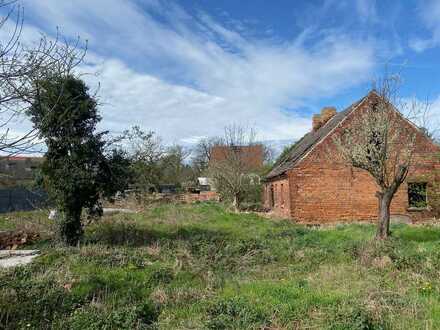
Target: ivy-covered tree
{"type": "Point", "coordinates": [77, 170]}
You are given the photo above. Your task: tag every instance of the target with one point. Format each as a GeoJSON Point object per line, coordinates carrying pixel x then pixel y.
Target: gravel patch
{"type": "Point", "coordinates": [13, 258]}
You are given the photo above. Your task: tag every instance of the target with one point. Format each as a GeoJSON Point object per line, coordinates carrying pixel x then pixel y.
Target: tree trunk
{"type": "Point", "coordinates": [70, 229]}
{"type": "Point", "coordinates": [383, 228]}
{"type": "Point", "coordinates": [236, 202]}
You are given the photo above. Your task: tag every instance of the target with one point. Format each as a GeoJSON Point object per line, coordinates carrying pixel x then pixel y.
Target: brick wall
{"type": "Point", "coordinates": [279, 200]}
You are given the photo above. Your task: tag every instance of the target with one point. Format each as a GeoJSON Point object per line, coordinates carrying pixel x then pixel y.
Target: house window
{"type": "Point", "coordinates": [417, 197]}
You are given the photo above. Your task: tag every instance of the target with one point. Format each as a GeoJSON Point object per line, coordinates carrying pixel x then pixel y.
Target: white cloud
{"type": "Point", "coordinates": [188, 76]}
{"type": "Point", "coordinates": [429, 14]}
{"type": "Point", "coordinates": [179, 113]}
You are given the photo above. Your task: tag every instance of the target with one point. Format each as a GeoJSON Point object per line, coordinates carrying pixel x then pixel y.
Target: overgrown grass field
{"type": "Point", "coordinates": [202, 267]}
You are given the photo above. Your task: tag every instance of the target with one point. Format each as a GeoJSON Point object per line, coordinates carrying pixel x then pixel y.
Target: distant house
{"type": "Point", "coordinates": [18, 170]}
{"type": "Point", "coordinates": [309, 186]}
{"type": "Point", "coordinates": [252, 156]}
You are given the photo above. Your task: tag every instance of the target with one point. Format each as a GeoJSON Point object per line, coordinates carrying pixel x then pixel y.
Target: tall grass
{"type": "Point", "coordinates": [201, 267]}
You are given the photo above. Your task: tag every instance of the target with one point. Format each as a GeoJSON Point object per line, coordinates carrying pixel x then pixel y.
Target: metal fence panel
{"type": "Point", "coordinates": [21, 199]}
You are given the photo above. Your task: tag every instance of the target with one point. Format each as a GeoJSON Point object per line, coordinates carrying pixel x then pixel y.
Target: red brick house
{"type": "Point", "coordinates": [251, 156]}
{"type": "Point", "coordinates": [309, 186]}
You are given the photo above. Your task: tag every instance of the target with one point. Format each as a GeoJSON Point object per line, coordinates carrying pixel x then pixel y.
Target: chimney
{"type": "Point", "coordinates": [319, 120]}
{"type": "Point", "coordinates": [316, 122]}
{"type": "Point", "coordinates": [327, 113]}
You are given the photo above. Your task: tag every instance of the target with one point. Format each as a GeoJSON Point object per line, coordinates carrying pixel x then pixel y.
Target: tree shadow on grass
{"type": "Point", "coordinates": [417, 234]}
{"type": "Point", "coordinates": [136, 236]}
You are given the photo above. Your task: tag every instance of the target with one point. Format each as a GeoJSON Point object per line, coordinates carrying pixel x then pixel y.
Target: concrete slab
{"type": "Point", "coordinates": [109, 211]}
{"type": "Point", "coordinates": [13, 258]}
{"type": "Point", "coordinates": [53, 214]}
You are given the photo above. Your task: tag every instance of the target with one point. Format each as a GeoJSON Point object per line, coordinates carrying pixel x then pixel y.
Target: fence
{"type": "Point", "coordinates": [21, 199]}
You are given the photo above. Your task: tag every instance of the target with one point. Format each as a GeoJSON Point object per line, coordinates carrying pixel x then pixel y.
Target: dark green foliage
{"type": "Point", "coordinates": [116, 173]}
{"type": "Point", "coordinates": [76, 171]}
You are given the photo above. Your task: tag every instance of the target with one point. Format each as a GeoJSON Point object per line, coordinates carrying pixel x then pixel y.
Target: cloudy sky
{"type": "Point", "coordinates": [187, 68]}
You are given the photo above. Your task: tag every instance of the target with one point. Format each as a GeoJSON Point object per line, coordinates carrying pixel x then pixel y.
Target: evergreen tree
{"type": "Point", "coordinates": [76, 170]}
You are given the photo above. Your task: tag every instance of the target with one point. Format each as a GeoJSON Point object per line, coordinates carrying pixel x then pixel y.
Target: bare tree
{"type": "Point", "coordinates": [146, 151]}
{"type": "Point", "coordinates": [21, 68]}
{"type": "Point", "coordinates": [142, 145]}
{"type": "Point", "coordinates": [422, 114]}
{"type": "Point", "coordinates": [202, 154]}
{"type": "Point", "coordinates": [381, 141]}
{"type": "Point", "coordinates": [232, 162]}
{"type": "Point", "coordinates": [174, 168]}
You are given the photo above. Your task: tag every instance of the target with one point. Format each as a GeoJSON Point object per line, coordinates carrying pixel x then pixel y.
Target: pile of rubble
{"type": "Point", "coordinates": [11, 240]}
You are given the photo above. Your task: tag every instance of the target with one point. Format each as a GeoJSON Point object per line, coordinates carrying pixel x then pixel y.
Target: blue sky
{"type": "Point", "coordinates": [187, 68]}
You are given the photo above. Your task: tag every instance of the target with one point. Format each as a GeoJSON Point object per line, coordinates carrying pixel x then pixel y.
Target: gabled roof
{"type": "Point", "coordinates": [308, 141]}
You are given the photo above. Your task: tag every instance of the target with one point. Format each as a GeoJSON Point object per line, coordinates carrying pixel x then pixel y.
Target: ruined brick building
{"type": "Point", "coordinates": [308, 186]}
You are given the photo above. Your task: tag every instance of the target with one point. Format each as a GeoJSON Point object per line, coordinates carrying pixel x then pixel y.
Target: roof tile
{"type": "Point", "coordinates": [308, 141]}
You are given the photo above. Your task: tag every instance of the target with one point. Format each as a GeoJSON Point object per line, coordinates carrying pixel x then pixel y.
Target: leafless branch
{"type": "Point", "coordinates": [21, 68]}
